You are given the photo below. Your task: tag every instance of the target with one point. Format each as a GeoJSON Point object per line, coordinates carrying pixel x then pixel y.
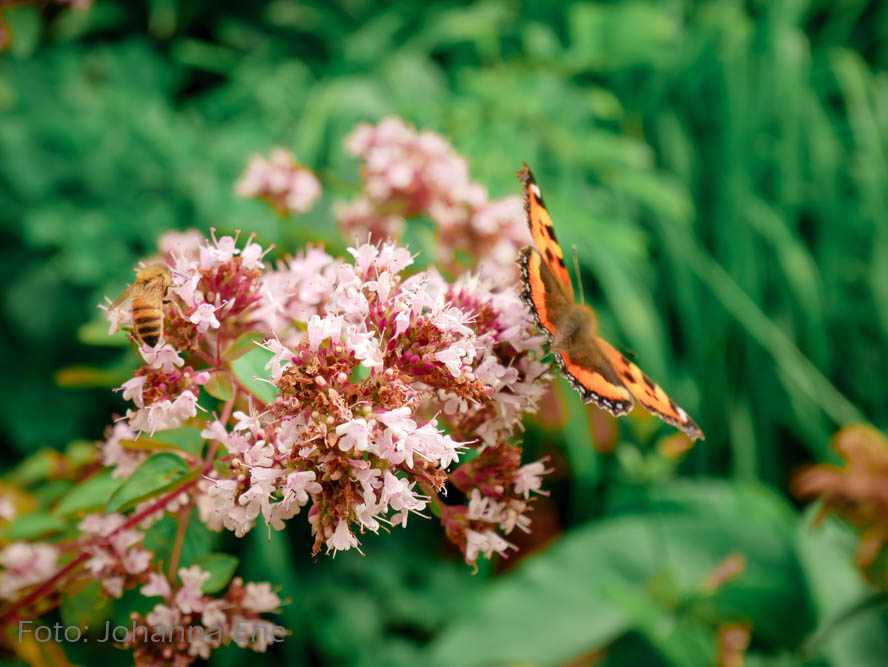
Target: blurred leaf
{"type": "Point", "coordinates": [95, 332]}
{"type": "Point", "coordinates": [186, 438]}
{"type": "Point", "coordinates": [826, 553]}
{"type": "Point", "coordinates": [220, 386]}
{"type": "Point", "coordinates": [156, 474]}
{"type": "Point", "coordinates": [87, 607]}
{"type": "Point", "coordinates": [25, 26]}
{"type": "Point", "coordinates": [252, 365]}
{"type": "Point", "coordinates": [221, 568]}
{"type": "Point", "coordinates": [595, 583]}
{"type": "Point", "coordinates": [87, 376]}
{"type": "Point", "coordinates": [91, 494]}
{"type": "Point", "coordinates": [31, 526]}
{"type": "Point", "coordinates": [36, 468]}
{"type": "Point", "coordinates": [620, 35]}
{"type": "Point", "coordinates": [161, 537]}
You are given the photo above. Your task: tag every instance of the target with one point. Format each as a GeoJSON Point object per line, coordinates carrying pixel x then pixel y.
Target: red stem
{"type": "Point", "coordinates": [11, 614]}
{"type": "Point", "coordinates": [203, 355]}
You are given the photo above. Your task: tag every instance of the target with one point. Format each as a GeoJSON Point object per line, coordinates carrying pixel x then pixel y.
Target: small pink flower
{"type": "Point", "coordinates": [282, 356]}
{"type": "Point", "coordinates": [213, 614]}
{"type": "Point", "coordinates": [354, 433]}
{"type": "Point", "coordinates": [486, 543]}
{"type": "Point", "coordinates": [205, 317]}
{"type": "Point", "coordinates": [322, 328]}
{"type": "Point", "coordinates": [25, 565]}
{"type": "Point", "coordinates": [180, 244]}
{"type": "Point", "coordinates": [157, 585]}
{"type": "Point", "coordinates": [284, 183]}
{"type": "Point", "coordinates": [215, 431]}
{"type": "Point", "coordinates": [300, 484]}
{"type": "Point", "coordinates": [341, 539]}
{"type": "Point", "coordinates": [220, 251]}
{"type": "Point", "coordinates": [164, 616]}
{"type": "Point", "coordinates": [260, 598]}
{"type": "Point", "coordinates": [163, 357]}
{"type": "Point", "coordinates": [132, 390]}
{"type": "Point", "coordinates": [529, 478]}
{"type": "Point", "coordinates": [365, 347]}
{"type": "Point", "coordinates": [452, 357]}
{"type": "Point", "coordinates": [189, 598]}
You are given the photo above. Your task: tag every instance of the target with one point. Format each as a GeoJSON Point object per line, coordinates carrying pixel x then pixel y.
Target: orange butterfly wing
{"type": "Point", "coordinates": [543, 232]}
{"type": "Point", "coordinates": [647, 392]}
{"type": "Point", "coordinates": [586, 369]}
{"type": "Point", "coordinates": [593, 366]}
{"type": "Point", "coordinates": [595, 381]}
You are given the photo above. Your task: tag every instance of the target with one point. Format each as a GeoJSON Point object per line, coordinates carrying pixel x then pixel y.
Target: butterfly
{"type": "Point", "coordinates": [600, 373]}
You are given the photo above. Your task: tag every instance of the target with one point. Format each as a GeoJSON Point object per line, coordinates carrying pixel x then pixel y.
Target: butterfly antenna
{"type": "Point", "coordinates": [579, 276]}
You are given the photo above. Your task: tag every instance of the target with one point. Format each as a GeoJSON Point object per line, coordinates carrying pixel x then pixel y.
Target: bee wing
{"type": "Point", "coordinates": [131, 291]}
{"type": "Point", "coordinates": [152, 288]}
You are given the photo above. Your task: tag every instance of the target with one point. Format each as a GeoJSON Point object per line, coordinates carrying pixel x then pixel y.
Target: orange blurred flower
{"type": "Point", "coordinates": [857, 491]}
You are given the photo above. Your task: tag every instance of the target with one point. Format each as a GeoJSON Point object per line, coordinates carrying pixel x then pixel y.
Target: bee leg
{"type": "Point", "coordinates": [169, 302]}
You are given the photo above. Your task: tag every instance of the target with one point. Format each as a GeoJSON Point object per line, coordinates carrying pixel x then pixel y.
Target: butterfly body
{"type": "Point", "coordinates": [594, 367]}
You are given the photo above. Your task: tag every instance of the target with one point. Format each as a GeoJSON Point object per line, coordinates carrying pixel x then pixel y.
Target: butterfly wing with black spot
{"type": "Point", "coordinates": [543, 232]}
{"type": "Point", "coordinates": [542, 291]}
{"type": "Point", "coordinates": [593, 376]}
{"type": "Point", "coordinates": [647, 392]}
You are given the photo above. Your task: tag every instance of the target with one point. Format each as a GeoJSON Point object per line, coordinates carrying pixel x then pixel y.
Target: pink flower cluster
{"type": "Point", "coordinates": [384, 380]}
{"type": "Point", "coordinates": [365, 392]}
{"type": "Point", "coordinates": [281, 181]}
{"type": "Point", "coordinates": [188, 624]}
{"type": "Point", "coordinates": [24, 565]}
{"type": "Point", "coordinates": [408, 173]}
{"type": "Point", "coordinates": [214, 282]}
{"type": "Point", "coordinates": [118, 562]}
{"type": "Point", "coordinates": [387, 386]}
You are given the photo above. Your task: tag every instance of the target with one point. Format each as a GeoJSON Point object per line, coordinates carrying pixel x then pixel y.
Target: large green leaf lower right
{"type": "Point", "coordinates": [642, 572]}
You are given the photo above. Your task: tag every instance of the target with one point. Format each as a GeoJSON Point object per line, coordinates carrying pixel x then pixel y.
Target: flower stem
{"type": "Point", "coordinates": [203, 355]}
{"type": "Point", "coordinates": [11, 614]}
{"type": "Point", "coordinates": [182, 518]}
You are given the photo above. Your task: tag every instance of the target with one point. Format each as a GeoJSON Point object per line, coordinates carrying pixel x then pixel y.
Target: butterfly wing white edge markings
{"type": "Point", "coordinates": [616, 407]}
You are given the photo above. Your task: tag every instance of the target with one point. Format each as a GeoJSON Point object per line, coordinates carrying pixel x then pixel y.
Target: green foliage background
{"type": "Point", "coordinates": [722, 168]}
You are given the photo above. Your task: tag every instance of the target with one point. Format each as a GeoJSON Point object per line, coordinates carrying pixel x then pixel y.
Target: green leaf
{"type": "Point", "coordinates": [198, 542]}
{"type": "Point", "coordinates": [186, 438]}
{"type": "Point", "coordinates": [91, 494]}
{"type": "Point", "coordinates": [157, 474]}
{"type": "Point", "coordinates": [36, 524]}
{"type": "Point", "coordinates": [78, 452]}
{"type": "Point", "coordinates": [250, 365]}
{"type": "Point", "coordinates": [221, 568]}
{"type": "Point", "coordinates": [25, 28]}
{"type": "Point", "coordinates": [845, 639]}
{"type": "Point", "coordinates": [220, 386]}
{"type": "Point", "coordinates": [85, 377]}
{"type": "Point", "coordinates": [598, 582]}
{"type": "Point", "coordinates": [35, 468]}
{"type": "Point", "coordinates": [50, 491]}
{"type": "Point", "coordinates": [95, 332]}
{"type": "Point", "coordinates": [88, 607]}
{"type": "Point", "coordinates": [242, 344]}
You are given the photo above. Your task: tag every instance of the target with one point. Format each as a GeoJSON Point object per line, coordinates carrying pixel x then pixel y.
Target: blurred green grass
{"type": "Point", "coordinates": [722, 168]}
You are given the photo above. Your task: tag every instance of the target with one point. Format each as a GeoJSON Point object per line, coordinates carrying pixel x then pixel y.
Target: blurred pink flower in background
{"type": "Point", "coordinates": [407, 174]}
{"type": "Point", "coordinates": [281, 181]}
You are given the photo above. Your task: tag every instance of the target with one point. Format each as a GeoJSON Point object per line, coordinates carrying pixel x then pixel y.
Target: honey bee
{"type": "Point", "coordinates": [148, 294]}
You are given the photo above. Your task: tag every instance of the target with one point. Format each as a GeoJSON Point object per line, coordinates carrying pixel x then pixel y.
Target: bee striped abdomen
{"type": "Point", "coordinates": [147, 322]}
